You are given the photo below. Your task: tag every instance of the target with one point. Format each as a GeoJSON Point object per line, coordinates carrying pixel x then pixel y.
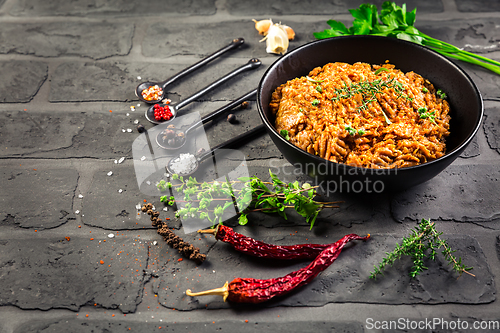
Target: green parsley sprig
{"type": "Point", "coordinates": [209, 200]}
{"type": "Point", "coordinates": [395, 21]}
{"type": "Point", "coordinates": [423, 241]}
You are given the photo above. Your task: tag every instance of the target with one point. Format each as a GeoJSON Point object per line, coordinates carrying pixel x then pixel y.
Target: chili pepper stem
{"type": "Point", "coordinates": [222, 291]}
{"type": "Point", "coordinates": [209, 231]}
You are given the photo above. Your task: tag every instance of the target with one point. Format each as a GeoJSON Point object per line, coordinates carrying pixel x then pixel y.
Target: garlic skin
{"type": "Point", "coordinates": [263, 26]}
{"type": "Point", "coordinates": [276, 39]}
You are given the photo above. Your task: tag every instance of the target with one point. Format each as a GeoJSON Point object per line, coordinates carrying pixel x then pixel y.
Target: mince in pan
{"type": "Point", "coordinates": [363, 115]}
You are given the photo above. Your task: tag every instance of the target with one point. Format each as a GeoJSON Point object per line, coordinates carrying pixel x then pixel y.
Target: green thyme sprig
{"type": "Point", "coordinates": [369, 90]}
{"type": "Point", "coordinates": [209, 200]}
{"type": "Point", "coordinates": [426, 114]}
{"type": "Point", "coordinates": [423, 241]}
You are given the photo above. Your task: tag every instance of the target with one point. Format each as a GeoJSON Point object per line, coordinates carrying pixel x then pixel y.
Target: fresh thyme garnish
{"type": "Point", "coordinates": [319, 89]}
{"type": "Point", "coordinates": [209, 200]}
{"type": "Point", "coordinates": [369, 91]}
{"type": "Point", "coordinates": [424, 114]}
{"type": "Point", "coordinates": [352, 131]}
{"type": "Point", "coordinates": [424, 241]}
{"type": "Point", "coordinates": [284, 133]}
{"type": "Point", "coordinates": [313, 80]}
{"type": "Point", "coordinates": [441, 94]}
{"type": "Point", "coordinates": [381, 69]}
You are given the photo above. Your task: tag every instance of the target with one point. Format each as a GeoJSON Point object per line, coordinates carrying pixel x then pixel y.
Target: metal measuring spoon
{"type": "Point", "coordinates": [173, 139]}
{"type": "Point", "coordinates": [145, 85]}
{"type": "Point", "coordinates": [187, 164]}
{"type": "Point", "coordinates": [174, 108]}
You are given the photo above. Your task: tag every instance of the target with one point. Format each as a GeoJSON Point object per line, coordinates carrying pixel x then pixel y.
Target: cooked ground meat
{"type": "Point", "coordinates": [363, 115]}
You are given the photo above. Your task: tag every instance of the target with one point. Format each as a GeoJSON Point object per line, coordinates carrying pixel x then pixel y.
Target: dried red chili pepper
{"type": "Point", "coordinates": [257, 248]}
{"type": "Point", "coordinates": [250, 290]}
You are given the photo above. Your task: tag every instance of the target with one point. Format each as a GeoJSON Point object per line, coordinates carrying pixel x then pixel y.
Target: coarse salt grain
{"type": "Point", "coordinates": [80, 196]}
{"type": "Point", "coordinates": [121, 160]}
{"type": "Point", "coordinates": [111, 235]}
{"type": "Point", "coordinates": [143, 158]}
{"type": "Point", "coordinates": [183, 164]}
{"type": "Point", "coordinates": [129, 130]}
{"type": "Point", "coordinates": [123, 130]}
{"type": "Point", "coordinates": [138, 78]}
{"type": "Point", "coordinates": [110, 173]}
{"type": "Point", "coordinates": [165, 209]}
{"type": "Point", "coordinates": [132, 108]}
{"type": "Point", "coordinates": [120, 191]}
{"type": "Point", "coordinates": [136, 121]}
{"type": "Point", "coordinates": [77, 212]}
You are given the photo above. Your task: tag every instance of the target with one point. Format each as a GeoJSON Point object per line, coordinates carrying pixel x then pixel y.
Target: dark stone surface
{"type": "Point", "coordinates": [477, 6]}
{"type": "Point", "coordinates": [116, 81]}
{"type": "Point", "coordinates": [115, 8]}
{"type": "Point", "coordinates": [283, 7]}
{"type": "Point", "coordinates": [347, 280]}
{"type": "Point", "coordinates": [163, 36]}
{"type": "Point", "coordinates": [478, 36]}
{"type": "Point", "coordinates": [21, 80]}
{"type": "Point", "coordinates": [118, 211]}
{"type": "Point", "coordinates": [491, 127]}
{"type": "Point", "coordinates": [65, 135]}
{"type": "Point", "coordinates": [46, 201]}
{"type": "Point", "coordinates": [74, 325]}
{"type": "Point", "coordinates": [66, 39]}
{"type": "Point", "coordinates": [466, 193]}
{"type": "Point", "coordinates": [93, 82]}
{"type": "Point", "coordinates": [70, 63]}
{"type": "Point", "coordinates": [56, 273]}
{"type": "Point", "coordinates": [473, 149]}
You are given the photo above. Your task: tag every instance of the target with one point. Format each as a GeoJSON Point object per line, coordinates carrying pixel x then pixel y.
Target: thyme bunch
{"type": "Point", "coordinates": [423, 241]}
{"type": "Point", "coordinates": [369, 90]}
{"type": "Point", "coordinates": [209, 200]}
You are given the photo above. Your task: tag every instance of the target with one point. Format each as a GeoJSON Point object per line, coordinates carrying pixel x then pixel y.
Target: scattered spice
{"type": "Point", "coordinates": [188, 250]}
{"type": "Point", "coordinates": [67, 238]}
{"type": "Point", "coordinates": [152, 93]}
{"type": "Point", "coordinates": [162, 113]}
{"type": "Point", "coordinates": [250, 290]}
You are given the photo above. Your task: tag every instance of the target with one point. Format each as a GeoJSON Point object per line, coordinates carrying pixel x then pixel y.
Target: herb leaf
{"type": "Point", "coordinates": [422, 239]}
{"type": "Point", "coordinates": [397, 22]}
{"type": "Point", "coordinates": [250, 194]}
{"type": "Point", "coordinates": [284, 133]}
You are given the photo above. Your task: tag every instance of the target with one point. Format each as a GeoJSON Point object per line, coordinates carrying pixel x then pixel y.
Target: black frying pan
{"type": "Point", "coordinates": [464, 98]}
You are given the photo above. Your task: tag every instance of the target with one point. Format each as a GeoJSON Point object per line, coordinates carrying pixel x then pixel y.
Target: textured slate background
{"type": "Point", "coordinates": [68, 115]}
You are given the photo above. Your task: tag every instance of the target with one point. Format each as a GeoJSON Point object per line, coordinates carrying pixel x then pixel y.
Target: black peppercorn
{"type": "Point", "coordinates": [231, 118]}
{"type": "Point", "coordinates": [141, 128]}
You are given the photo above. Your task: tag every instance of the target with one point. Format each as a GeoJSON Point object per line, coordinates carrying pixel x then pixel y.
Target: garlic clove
{"type": "Point", "coordinates": [263, 26]}
{"type": "Point", "coordinates": [276, 39]}
{"type": "Point", "coordinates": [289, 31]}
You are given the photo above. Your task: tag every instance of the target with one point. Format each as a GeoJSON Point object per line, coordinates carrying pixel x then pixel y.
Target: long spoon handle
{"type": "Point", "coordinates": [251, 64]}
{"type": "Point", "coordinates": [227, 107]}
{"type": "Point", "coordinates": [234, 44]}
{"type": "Point", "coordinates": [232, 142]}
